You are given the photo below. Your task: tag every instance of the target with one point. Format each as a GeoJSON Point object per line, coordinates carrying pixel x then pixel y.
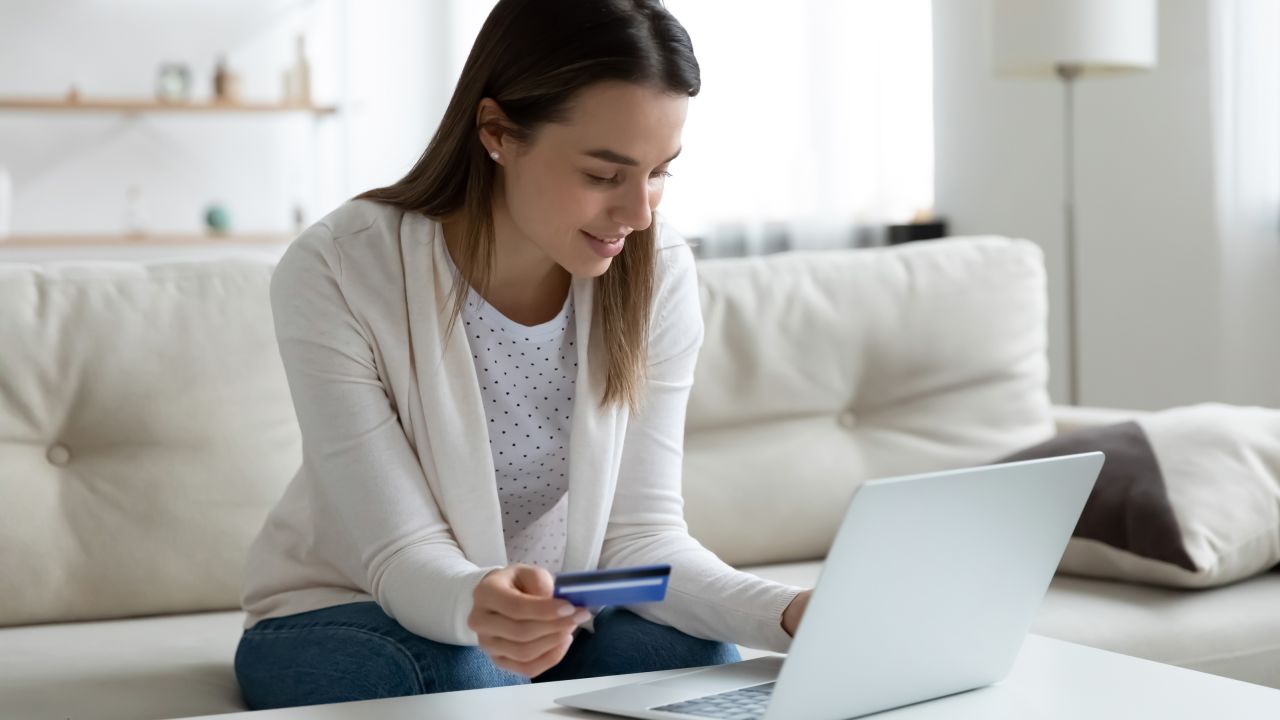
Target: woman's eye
{"type": "Point", "coordinates": [597, 180]}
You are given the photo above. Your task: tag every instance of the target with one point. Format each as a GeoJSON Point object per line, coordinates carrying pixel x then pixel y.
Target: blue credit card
{"type": "Point", "coordinates": [617, 586]}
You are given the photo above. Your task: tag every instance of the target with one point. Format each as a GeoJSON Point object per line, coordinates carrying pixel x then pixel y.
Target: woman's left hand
{"type": "Point", "coordinates": [794, 612]}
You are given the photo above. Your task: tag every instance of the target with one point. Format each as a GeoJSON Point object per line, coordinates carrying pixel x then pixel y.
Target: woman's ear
{"type": "Point", "coordinates": [494, 128]}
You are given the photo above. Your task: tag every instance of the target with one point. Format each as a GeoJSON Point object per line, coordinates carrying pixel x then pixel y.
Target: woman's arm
{"type": "Point", "coordinates": [706, 597]}
{"type": "Point", "coordinates": [355, 451]}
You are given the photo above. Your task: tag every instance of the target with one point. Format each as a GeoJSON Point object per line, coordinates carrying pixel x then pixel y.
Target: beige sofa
{"type": "Point", "coordinates": [146, 428]}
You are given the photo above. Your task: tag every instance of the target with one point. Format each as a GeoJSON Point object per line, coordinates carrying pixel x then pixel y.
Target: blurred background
{"type": "Point", "coordinates": [800, 123]}
{"type": "Point", "coordinates": [154, 127]}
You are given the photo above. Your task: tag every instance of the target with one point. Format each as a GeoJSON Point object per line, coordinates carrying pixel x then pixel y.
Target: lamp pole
{"type": "Point", "coordinates": [1068, 73]}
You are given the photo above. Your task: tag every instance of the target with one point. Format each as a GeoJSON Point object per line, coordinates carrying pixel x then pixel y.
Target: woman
{"type": "Point", "coordinates": [490, 362]}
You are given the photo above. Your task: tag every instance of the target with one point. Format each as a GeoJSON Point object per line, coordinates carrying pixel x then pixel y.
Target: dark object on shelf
{"type": "Point", "coordinates": [226, 84]}
{"type": "Point", "coordinates": [899, 234]}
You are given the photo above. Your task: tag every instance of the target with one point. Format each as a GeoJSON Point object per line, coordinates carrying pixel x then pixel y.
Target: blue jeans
{"type": "Point", "coordinates": [356, 652]}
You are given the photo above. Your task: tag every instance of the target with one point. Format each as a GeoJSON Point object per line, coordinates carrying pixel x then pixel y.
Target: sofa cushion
{"type": "Point", "coordinates": [1188, 497]}
{"type": "Point", "coordinates": [824, 369]}
{"type": "Point", "coordinates": [146, 429]}
{"type": "Point", "coordinates": [137, 669]}
{"type": "Point", "coordinates": [1231, 631]}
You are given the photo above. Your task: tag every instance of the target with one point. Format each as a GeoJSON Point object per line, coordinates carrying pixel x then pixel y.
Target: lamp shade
{"type": "Point", "coordinates": [1036, 37]}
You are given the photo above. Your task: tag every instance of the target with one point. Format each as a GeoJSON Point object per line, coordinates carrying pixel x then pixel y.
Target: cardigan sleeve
{"type": "Point", "coordinates": [356, 452]}
{"type": "Point", "coordinates": [705, 597]}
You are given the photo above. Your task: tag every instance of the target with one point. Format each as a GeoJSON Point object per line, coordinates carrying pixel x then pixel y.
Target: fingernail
{"type": "Point", "coordinates": [582, 616]}
{"type": "Point", "coordinates": [566, 610]}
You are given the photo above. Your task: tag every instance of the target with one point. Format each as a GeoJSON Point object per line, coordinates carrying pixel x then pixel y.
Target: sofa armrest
{"type": "Point", "coordinates": [1068, 418]}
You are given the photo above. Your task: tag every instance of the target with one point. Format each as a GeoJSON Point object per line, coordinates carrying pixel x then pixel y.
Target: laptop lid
{"type": "Point", "coordinates": [931, 585]}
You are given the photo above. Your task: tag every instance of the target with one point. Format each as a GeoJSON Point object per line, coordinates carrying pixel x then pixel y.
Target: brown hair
{"type": "Point", "coordinates": [532, 57]}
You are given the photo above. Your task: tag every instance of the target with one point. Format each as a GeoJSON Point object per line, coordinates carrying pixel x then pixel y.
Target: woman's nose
{"type": "Point", "coordinates": [634, 209]}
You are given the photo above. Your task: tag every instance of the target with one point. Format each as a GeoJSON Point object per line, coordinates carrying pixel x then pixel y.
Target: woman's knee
{"type": "Point", "coordinates": [638, 645]}
{"type": "Point", "coordinates": [287, 665]}
{"type": "Point", "coordinates": [460, 667]}
{"type": "Point", "coordinates": [683, 650]}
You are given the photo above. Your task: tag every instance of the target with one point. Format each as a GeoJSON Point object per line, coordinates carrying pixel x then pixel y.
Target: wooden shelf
{"type": "Point", "coordinates": [146, 240]}
{"type": "Point", "coordinates": [124, 105]}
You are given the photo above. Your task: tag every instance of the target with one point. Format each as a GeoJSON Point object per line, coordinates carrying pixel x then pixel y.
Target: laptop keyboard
{"type": "Point", "coordinates": [746, 703]}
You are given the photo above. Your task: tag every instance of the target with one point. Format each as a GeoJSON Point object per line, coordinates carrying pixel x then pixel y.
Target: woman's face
{"type": "Point", "coordinates": [579, 187]}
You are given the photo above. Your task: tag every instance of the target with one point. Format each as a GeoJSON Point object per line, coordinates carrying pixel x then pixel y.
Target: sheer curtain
{"type": "Point", "coordinates": [1246, 115]}
{"type": "Point", "coordinates": [814, 126]}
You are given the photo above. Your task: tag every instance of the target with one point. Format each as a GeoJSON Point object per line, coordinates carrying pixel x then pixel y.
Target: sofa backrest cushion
{"type": "Point", "coordinates": [145, 429]}
{"type": "Point", "coordinates": [824, 369]}
{"type": "Point", "coordinates": [146, 426]}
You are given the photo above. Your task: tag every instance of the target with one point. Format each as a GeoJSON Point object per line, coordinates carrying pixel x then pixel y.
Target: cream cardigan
{"type": "Point", "coordinates": [396, 500]}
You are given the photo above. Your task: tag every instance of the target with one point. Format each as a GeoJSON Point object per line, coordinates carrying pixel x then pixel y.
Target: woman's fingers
{"type": "Point", "coordinates": [519, 624]}
{"type": "Point", "coordinates": [504, 597]}
{"type": "Point", "coordinates": [492, 624]}
{"type": "Point", "coordinates": [522, 607]}
{"type": "Point", "coordinates": [523, 652]}
{"type": "Point", "coordinates": [533, 580]}
{"type": "Point", "coordinates": [538, 665]}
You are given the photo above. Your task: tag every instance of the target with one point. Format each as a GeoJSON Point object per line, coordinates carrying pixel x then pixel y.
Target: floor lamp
{"type": "Point", "coordinates": [1066, 39]}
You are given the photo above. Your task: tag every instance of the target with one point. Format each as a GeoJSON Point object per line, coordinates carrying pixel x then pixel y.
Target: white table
{"type": "Point", "coordinates": [1051, 679]}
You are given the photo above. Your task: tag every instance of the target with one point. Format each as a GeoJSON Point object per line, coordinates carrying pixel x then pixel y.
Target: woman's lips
{"type": "Point", "coordinates": [604, 248]}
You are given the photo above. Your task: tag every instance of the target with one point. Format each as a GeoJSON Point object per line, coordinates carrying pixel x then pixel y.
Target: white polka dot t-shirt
{"type": "Point", "coordinates": [527, 377]}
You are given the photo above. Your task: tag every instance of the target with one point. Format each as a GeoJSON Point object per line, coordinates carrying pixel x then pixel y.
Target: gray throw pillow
{"type": "Point", "coordinates": [1188, 497]}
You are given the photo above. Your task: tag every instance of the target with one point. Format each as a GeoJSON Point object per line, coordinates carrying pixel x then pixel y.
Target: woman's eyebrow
{"type": "Point", "coordinates": [620, 159]}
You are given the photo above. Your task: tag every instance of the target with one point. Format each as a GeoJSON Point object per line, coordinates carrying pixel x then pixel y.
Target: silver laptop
{"type": "Point", "coordinates": [929, 589]}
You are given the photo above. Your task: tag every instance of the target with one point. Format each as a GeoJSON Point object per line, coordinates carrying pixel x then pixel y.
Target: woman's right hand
{"type": "Point", "coordinates": [521, 626]}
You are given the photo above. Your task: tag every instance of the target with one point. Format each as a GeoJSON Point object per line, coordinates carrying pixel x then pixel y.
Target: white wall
{"type": "Point", "coordinates": [384, 62]}
{"type": "Point", "coordinates": [400, 77]}
{"type": "Point", "coordinates": [1153, 269]}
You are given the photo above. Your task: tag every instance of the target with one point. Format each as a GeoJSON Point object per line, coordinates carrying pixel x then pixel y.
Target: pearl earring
{"type": "Point", "coordinates": [494, 155]}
